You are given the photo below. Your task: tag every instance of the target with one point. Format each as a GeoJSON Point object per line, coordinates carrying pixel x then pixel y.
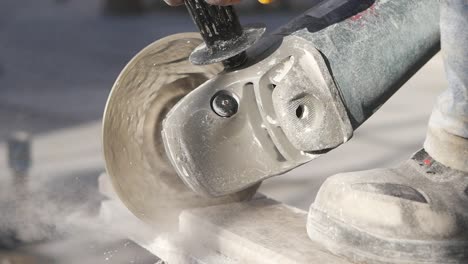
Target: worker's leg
{"type": "Point", "coordinates": [417, 212]}
{"type": "Point", "coordinates": [447, 139]}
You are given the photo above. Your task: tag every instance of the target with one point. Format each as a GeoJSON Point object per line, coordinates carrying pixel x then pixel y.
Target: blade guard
{"type": "Point", "coordinates": [143, 178]}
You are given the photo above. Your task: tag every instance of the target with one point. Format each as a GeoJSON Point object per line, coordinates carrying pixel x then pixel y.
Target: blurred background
{"type": "Point", "coordinates": [58, 62]}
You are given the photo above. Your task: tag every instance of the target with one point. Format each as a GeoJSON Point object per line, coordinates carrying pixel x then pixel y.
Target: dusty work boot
{"type": "Point", "coordinates": [414, 213]}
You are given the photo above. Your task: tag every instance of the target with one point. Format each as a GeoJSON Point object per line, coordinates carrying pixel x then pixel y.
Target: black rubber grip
{"type": "Point", "coordinates": [216, 23]}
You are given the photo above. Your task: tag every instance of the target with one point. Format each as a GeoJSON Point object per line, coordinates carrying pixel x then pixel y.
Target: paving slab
{"type": "Point", "coordinates": [260, 231]}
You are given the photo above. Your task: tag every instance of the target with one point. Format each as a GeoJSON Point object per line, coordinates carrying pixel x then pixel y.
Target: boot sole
{"type": "Point", "coordinates": [360, 247]}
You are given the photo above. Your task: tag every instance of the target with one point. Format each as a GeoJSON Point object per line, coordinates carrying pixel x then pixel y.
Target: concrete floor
{"type": "Point", "coordinates": [58, 60]}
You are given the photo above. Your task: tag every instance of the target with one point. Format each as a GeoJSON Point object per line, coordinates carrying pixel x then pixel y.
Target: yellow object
{"type": "Point", "coordinates": [265, 2]}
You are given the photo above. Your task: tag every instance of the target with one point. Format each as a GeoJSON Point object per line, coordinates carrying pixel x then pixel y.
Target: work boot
{"type": "Point", "coordinates": [414, 213]}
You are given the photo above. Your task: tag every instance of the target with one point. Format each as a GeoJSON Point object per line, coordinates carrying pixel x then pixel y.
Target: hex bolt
{"type": "Point", "coordinates": [224, 104]}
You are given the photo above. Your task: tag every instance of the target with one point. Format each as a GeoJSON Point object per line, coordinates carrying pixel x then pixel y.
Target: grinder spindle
{"type": "Point", "coordinates": [225, 39]}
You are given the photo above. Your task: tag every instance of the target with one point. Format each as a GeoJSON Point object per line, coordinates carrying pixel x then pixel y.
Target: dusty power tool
{"type": "Point", "coordinates": [177, 134]}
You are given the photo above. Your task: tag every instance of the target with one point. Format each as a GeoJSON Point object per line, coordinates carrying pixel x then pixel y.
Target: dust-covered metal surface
{"type": "Point", "coordinates": [144, 92]}
{"type": "Point", "coordinates": [320, 77]}
{"type": "Point", "coordinates": [366, 51]}
{"type": "Point", "coordinates": [288, 108]}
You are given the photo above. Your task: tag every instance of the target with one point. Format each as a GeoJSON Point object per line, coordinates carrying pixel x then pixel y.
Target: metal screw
{"type": "Point", "coordinates": [224, 104]}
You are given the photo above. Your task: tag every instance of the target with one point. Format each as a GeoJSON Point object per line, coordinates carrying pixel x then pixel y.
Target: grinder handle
{"type": "Point", "coordinates": [216, 23]}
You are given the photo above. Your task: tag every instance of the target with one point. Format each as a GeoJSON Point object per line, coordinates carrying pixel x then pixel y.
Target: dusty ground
{"type": "Point", "coordinates": [58, 60]}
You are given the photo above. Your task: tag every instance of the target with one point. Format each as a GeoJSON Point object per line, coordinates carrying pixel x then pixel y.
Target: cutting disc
{"type": "Point", "coordinates": [149, 86]}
